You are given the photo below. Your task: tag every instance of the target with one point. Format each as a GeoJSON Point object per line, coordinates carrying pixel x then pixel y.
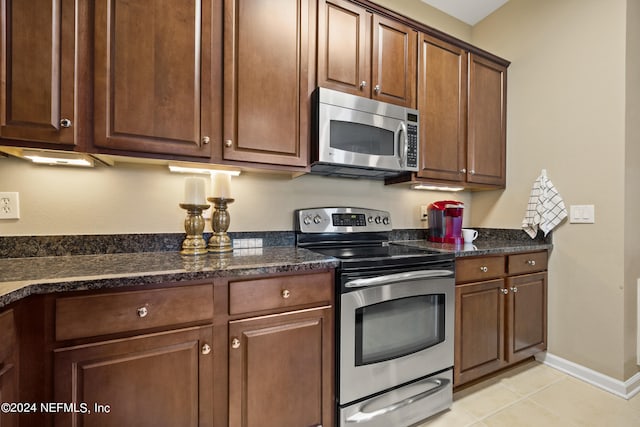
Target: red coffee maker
{"type": "Point", "coordinates": [445, 221]}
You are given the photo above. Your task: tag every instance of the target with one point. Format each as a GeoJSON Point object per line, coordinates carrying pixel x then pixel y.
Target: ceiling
{"type": "Point", "coordinates": [468, 11]}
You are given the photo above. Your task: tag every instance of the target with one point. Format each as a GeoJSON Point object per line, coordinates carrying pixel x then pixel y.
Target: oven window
{"type": "Point", "coordinates": [360, 138]}
{"type": "Point", "coordinates": [399, 327]}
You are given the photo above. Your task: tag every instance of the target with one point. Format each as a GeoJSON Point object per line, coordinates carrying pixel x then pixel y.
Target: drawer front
{"type": "Point", "coordinates": [92, 315]}
{"type": "Point", "coordinates": [527, 263]}
{"type": "Point", "coordinates": [7, 336]}
{"type": "Point", "coordinates": [479, 269]}
{"type": "Point", "coordinates": [280, 292]}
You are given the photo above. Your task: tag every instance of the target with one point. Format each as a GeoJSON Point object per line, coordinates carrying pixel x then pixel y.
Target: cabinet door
{"type": "Point", "coordinates": [442, 102]}
{"type": "Point", "coordinates": [38, 65]}
{"type": "Point", "coordinates": [526, 316]}
{"type": "Point", "coordinates": [479, 337]}
{"type": "Point", "coordinates": [163, 379]}
{"type": "Point", "coordinates": [280, 370]}
{"type": "Point", "coordinates": [8, 370]}
{"type": "Point", "coordinates": [344, 46]}
{"type": "Point", "coordinates": [393, 73]}
{"type": "Point", "coordinates": [153, 79]}
{"type": "Point", "coordinates": [267, 84]}
{"type": "Point", "coordinates": [487, 122]}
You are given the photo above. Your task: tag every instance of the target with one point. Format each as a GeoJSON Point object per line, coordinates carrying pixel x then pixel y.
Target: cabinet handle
{"type": "Point", "coordinates": [484, 269]}
{"type": "Point", "coordinates": [206, 140]}
{"type": "Point", "coordinates": [463, 170]}
{"type": "Point", "coordinates": [228, 143]}
{"type": "Point", "coordinates": [142, 312]}
{"type": "Point", "coordinates": [504, 291]}
{"type": "Point", "coordinates": [286, 293]}
{"type": "Point", "coordinates": [363, 84]}
{"type": "Point", "coordinates": [514, 289]}
{"type": "Point", "coordinates": [472, 171]}
{"type": "Point", "coordinates": [531, 262]}
{"type": "Point", "coordinates": [206, 349]}
{"type": "Point", "coordinates": [66, 123]}
{"type": "Point", "coordinates": [235, 343]}
{"type": "Point", "coordinates": [376, 88]}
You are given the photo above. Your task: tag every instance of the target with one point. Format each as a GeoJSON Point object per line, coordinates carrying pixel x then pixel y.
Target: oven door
{"type": "Point", "coordinates": [394, 329]}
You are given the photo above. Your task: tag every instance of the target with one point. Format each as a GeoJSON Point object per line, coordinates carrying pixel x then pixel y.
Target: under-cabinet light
{"type": "Point", "coordinates": [435, 187]}
{"type": "Point", "coordinates": [189, 169]}
{"type": "Point", "coordinates": [61, 159]}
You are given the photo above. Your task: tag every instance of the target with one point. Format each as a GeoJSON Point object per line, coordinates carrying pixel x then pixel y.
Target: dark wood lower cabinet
{"type": "Point", "coordinates": [8, 369]}
{"type": "Point", "coordinates": [280, 370]}
{"type": "Point", "coordinates": [501, 312]}
{"type": "Point", "coordinates": [162, 379]}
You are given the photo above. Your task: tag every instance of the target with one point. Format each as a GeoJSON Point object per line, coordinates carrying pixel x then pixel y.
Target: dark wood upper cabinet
{"type": "Point", "coordinates": [268, 80]}
{"type": "Point", "coordinates": [442, 102]}
{"type": "Point", "coordinates": [487, 138]}
{"type": "Point", "coordinates": [366, 54]}
{"type": "Point", "coordinates": [37, 95]}
{"type": "Point", "coordinates": [156, 80]}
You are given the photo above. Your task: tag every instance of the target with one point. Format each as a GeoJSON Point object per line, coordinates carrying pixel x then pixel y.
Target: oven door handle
{"type": "Point", "coordinates": [363, 416]}
{"type": "Point", "coordinates": [398, 277]}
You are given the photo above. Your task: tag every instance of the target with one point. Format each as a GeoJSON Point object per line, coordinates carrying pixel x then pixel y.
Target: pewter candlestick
{"type": "Point", "coordinates": [194, 243]}
{"type": "Point", "coordinates": [220, 242]}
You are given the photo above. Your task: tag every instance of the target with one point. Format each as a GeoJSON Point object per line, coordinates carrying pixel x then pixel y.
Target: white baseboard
{"type": "Point", "coordinates": [625, 389]}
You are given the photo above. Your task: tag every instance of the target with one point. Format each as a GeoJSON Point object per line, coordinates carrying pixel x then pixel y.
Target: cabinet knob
{"type": "Point", "coordinates": [206, 349]}
{"type": "Point", "coordinates": [463, 170]}
{"type": "Point", "coordinates": [235, 343]}
{"type": "Point", "coordinates": [484, 268]}
{"type": "Point", "coordinates": [376, 88]}
{"type": "Point", "coordinates": [514, 289]}
{"type": "Point", "coordinates": [472, 172]}
{"type": "Point", "coordinates": [228, 143]}
{"type": "Point", "coordinates": [286, 293]}
{"type": "Point", "coordinates": [363, 84]}
{"type": "Point", "coordinates": [142, 312]}
{"type": "Point", "coordinates": [531, 262]}
{"type": "Point", "coordinates": [66, 123]}
{"type": "Point", "coordinates": [206, 140]}
{"type": "Point", "coordinates": [504, 291]}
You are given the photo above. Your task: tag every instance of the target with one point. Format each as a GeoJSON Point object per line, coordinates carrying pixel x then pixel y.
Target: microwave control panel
{"type": "Point", "coordinates": [412, 145]}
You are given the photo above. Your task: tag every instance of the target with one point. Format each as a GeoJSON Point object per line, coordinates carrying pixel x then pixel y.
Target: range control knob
{"type": "Point", "coordinates": [307, 220]}
{"type": "Point", "coordinates": [317, 219]}
{"type": "Point", "coordinates": [370, 219]}
{"type": "Point", "coordinates": [378, 220]}
{"type": "Point", "coordinates": [385, 220]}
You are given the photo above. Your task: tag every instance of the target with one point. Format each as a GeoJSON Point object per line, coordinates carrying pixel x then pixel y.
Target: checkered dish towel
{"type": "Point", "coordinates": [545, 209]}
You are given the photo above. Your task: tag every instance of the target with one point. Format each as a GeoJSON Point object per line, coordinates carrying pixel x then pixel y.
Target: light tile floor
{"type": "Point", "coordinates": [534, 395]}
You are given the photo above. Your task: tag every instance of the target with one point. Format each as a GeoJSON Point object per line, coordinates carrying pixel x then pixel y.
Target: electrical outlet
{"type": "Point", "coordinates": [9, 205]}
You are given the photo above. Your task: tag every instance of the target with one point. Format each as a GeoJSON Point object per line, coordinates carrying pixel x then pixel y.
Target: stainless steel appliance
{"type": "Point", "coordinates": [359, 137]}
{"type": "Point", "coordinates": [394, 318]}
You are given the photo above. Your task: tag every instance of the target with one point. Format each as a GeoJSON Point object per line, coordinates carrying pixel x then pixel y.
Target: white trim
{"type": "Point", "coordinates": [625, 389]}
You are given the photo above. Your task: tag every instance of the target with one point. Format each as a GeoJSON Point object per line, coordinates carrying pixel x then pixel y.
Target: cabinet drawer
{"type": "Point", "coordinates": [478, 269]}
{"type": "Point", "coordinates": [92, 315]}
{"type": "Point", "coordinates": [527, 263]}
{"type": "Point", "coordinates": [279, 292]}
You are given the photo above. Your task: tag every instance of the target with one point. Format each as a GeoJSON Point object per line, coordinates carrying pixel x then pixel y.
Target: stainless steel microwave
{"type": "Point", "coordinates": [360, 137]}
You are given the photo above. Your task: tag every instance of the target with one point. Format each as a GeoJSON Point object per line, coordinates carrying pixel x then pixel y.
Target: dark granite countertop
{"type": "Point", "coordinates": [21, 277]}
{"type": "Point", "coordinates": [481, 247]}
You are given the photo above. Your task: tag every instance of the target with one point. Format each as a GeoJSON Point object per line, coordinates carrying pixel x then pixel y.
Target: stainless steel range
{"type": "Point", "coordinates": [394, 318]}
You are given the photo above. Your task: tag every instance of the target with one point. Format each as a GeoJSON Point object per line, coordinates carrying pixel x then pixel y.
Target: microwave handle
{"type": "Point", "coordinates": [397, 277]}
{"type": "Point", "coordinates": [403, 143]}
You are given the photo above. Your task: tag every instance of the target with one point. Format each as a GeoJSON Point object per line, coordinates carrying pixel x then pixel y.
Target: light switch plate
{"type": "Point", "coordinates": [582, 214]}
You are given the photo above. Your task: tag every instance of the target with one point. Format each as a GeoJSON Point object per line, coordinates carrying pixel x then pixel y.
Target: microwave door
{"type": "Point", "coordinates": [351, 137]}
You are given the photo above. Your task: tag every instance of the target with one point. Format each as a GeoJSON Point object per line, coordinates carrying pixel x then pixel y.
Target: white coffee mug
{"type": "Point", "coordinates": [469, 235]}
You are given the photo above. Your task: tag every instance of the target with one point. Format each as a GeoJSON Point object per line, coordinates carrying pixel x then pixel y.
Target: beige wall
{"type": "Point", "coordinates": [632, 186]}
{"type": "Point", "coordinates": [144, 199]}
{"type": "Point", "coordinates": [566, 113]}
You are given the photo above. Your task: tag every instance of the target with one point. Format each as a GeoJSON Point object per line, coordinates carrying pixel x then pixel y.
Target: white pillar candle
{"type": "Point", "coordinates": [194, 193]}
{"type": "Point", "coordinates": [222, 185]}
